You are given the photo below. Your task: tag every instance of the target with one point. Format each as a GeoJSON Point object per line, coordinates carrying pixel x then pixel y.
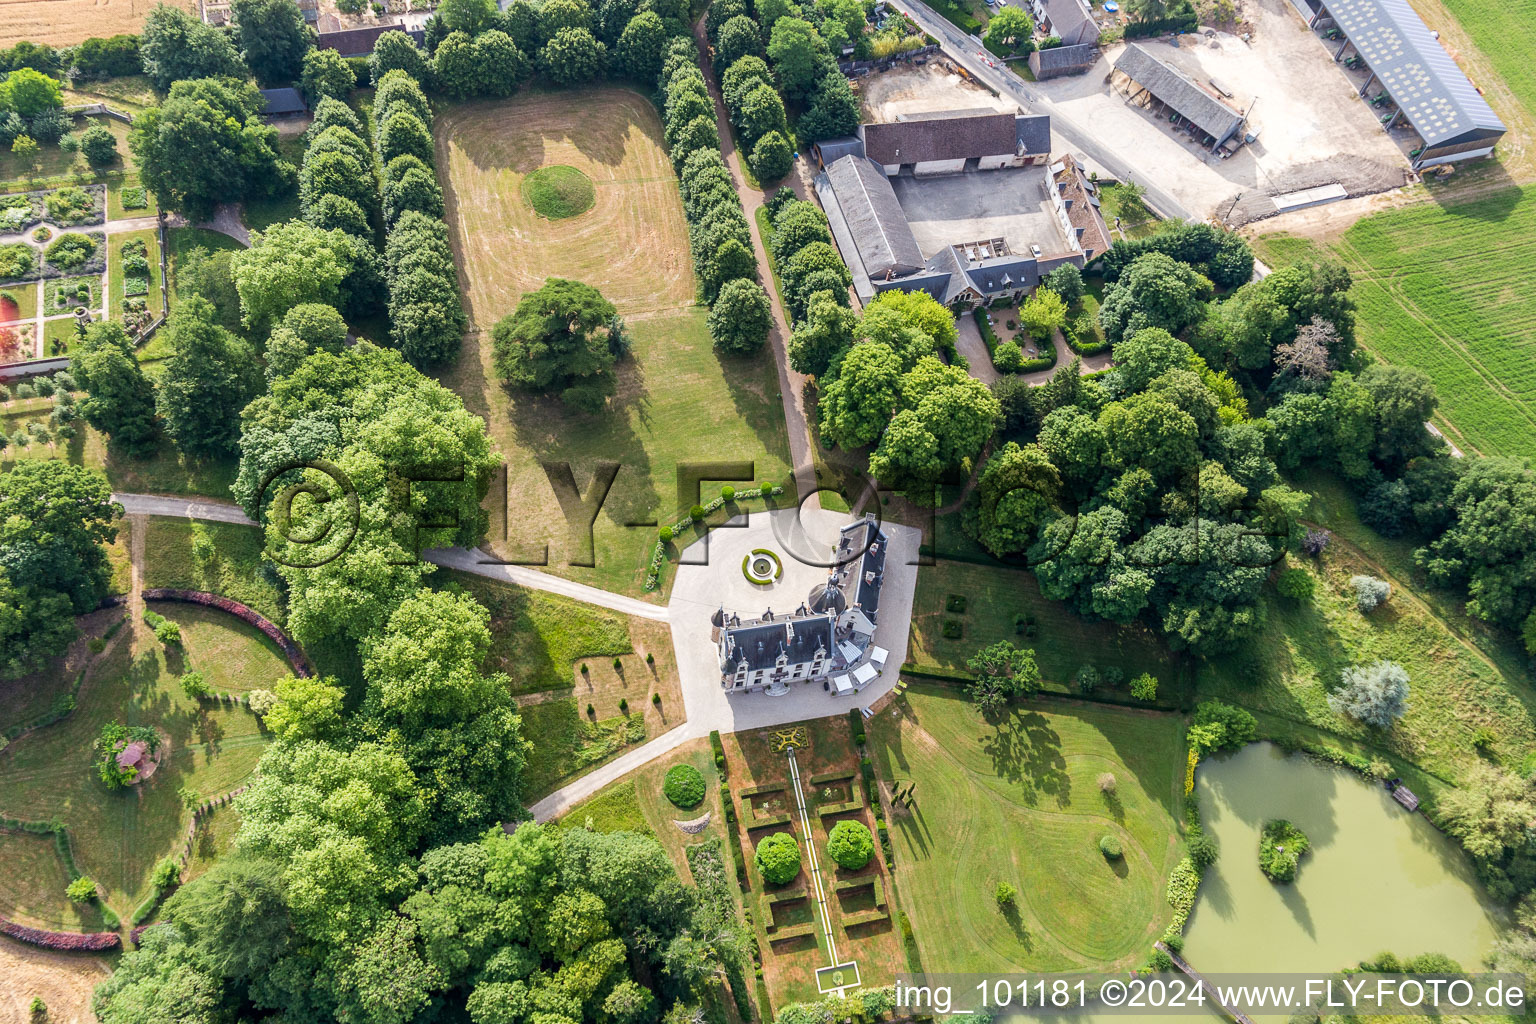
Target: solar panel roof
{"type": "Point", "coordinates": [1422, 79]}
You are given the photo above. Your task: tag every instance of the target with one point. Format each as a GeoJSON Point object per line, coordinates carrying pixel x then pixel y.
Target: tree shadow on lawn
{"type": "Point", "coordinates": [1025, 750]}
{"type": "Point", "coordinates": [1015, 922]}
{"type": "Point", "coordinates": [754, 388]}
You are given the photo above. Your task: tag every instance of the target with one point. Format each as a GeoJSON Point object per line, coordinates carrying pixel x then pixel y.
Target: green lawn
{"type": "Point", "coordinates": [1018, 801]}
{"type": "Point", "coordinates": [678, 403]}
{"type": "Point", "coordinates": [118, 836]}
{"type": "Point", "coordinates": [567, 744]}
{"type": "Point", "coordinates": [53, 167]}
{"type": "Point", "coordinates": [260, 214]}
{"type": "Point", "coordinates": [115, 208]}
{"type": "Point", "coordinates": [994, 597]}
{"type": "Point", "coordinates": [151, 241]}
{"type": "Point", "coordinates": [19, 301]}
{"type": "Point", "coordinates": [221, 558]}
{"type": "Point", "coordinates": [1446, 288]}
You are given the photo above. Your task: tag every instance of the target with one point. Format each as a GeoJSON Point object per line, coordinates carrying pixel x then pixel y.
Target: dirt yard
{"type": "Point", "coordinates": [633, 243]}
{"type": "Point", "coordinates": [1312, 128]}
{"type": "Point", "coordinates": [921, 88]}
{"type": "Point", "coordinates": [66, 22]}
{"type": "Point", "coordinates": [62, 980]}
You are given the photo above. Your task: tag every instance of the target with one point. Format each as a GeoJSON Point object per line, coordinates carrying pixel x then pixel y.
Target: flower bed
{"type": "Point", "coordinates": [75, 254]}
{"type": "Point", "coordinates": [89, 941]}
{"type": "Point", "coordinates": [18, 262]}
{"type": "Point", "coordinates": [135, 197]}
{"type": "Point", "coordinates": [74, 205]}
{"type": "Point", "coordinates": [296, 657]}
{"type": "Point", "coordinates": [19, 211]}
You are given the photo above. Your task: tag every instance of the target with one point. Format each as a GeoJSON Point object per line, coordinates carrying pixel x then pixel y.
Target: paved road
{"type": "Point", "coordinates": [573, 793]}
{"type": "Point", "coordinates": [963, 49]}
{"type": "Point", "coordinates": [477, 562]}
{"type": "Point", "coordinates": [482, 564]}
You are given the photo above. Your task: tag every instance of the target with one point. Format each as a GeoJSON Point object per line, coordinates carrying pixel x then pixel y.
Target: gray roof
{"type": "Point", "coordinates": [961, 135]}
{"type": "Point", "coordinates": [1003, 274]}
{"type": "Point", "coordinates": [282, 101]}
{"type": "Point", "coordinates": [867, 571]}
{"type": "Point", "coordinates": [1075, 56]}
{"type": "Point", "coordinates": [1032, 132]}
{"type": "Point", "coordinates": [1180, 92]}
{"type": "Point", "coordinates": [1422, 79]}
{"type": "Point", "coordinates": [843, 145]}
{"type": "Point", "coordinates": [1071, 20]}
{"type": "Point", "coordinates": [879, 229]}
{"type": "Point", "coordinates": [797, 638]}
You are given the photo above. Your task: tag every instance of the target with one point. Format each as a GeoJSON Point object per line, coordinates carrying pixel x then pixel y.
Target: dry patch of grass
{"type": "Point", "coordinates": [66, 22]}
{"type": "Point", "coordinates": [62, 980]}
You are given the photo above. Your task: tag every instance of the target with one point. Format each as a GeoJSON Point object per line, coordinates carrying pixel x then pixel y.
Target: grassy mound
{"type": "Point", "coordinates": [558, 191]}
{"type": "Point", "coordinates": [1281, 845]}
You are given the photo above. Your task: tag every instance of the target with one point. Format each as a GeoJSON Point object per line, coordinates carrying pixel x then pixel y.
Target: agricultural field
{"type": "Point", "coordinates": [1446, 288]}
{"type": "Point", "coordinates": [676, 401]}
{"type": "Point", "coordinates": [64, 981]}
{"type": "Point", "coordinates": [210, 749]}
{"type": "Point", "coordinates": [1018, 801]}
{"type": "Point", "coordinates": [577, 707]}
{"type": "Point", "coordinates": [66, 22]}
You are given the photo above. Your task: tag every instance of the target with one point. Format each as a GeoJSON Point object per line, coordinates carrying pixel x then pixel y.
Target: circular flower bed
{"type": "Point", "coordinates": [762, 567]}
{"type": "Point", "coordinates": [684, 786]}
{"type": "Point", "coordinates": [558, 191]}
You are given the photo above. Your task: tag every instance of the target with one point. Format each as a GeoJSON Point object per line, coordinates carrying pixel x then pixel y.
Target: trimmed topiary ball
{"type": "Point", "coordinates": [778, 858]}
{"type": "Point", "coordinates": [684, 786]}
{"type": "Point", "coordinates": [1109, 846]}
{"type": "Point", "coordinates": [850, 845]}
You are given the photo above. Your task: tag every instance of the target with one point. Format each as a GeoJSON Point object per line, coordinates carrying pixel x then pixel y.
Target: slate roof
{"type": "Point", "coordinates": [878, 227]}
{"type": "Point", "coordinates": [866, 572]}
{"type": "Point", "coordinates": [1180, 92]}
{"type": "Point", "coordinates": [1434, 94]}
{"type": "Point", "coordinates": [943, 136]}
{"type": "Point", "coordinates": [1032, 132]}
{"type": "Point", "coordinates": [282, 101]}
{"type": "Point", "coordinates": [1058, 58]}
{"type": "Point", "coordinates": [836, 149]}
{"type": "Point", "coordinates": [1003, 274]}
{"type": "Point", "coordinates": [1072, 20]}
{"type": "Point", "coordinates": [760, 645]}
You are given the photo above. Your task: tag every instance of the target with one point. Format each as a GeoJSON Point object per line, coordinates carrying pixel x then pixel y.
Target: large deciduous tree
{"type": "Point", "coordinates": [273, 39]}
{"type": "Point", "coordinates": [120, 400]}
{"type": "Point", "coordinates": [176, 46]}
{"type": "Point", "coordinates": [560, 341]}
{"type": "Point", "coordinates": [294, 263]}
{"type": "Point", "coordinates": [54, 519]}
{"type": "Point", "coordinates": [210, 373]}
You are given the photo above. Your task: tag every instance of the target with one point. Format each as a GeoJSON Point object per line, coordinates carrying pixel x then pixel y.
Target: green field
{"type": "Point", "coordinates": [1447, 289]}
{"type": "Point", "coordinates": [1506, 35]}
{"type": "Point", "coordinates": [118, 836]}
{"type": "Point", "coordinates": [1017, 801]}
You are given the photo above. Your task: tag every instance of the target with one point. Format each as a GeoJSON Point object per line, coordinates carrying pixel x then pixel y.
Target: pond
{"type": "Point", "coordinates": [1377, 877]}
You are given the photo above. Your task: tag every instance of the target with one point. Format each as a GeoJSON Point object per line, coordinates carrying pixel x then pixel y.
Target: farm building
{"type": "Point", "coordinates": [1071, 21]}
{"type": "Point", "coordinates": [1431, 92]}
{"type": "Point", "coordinates": [1059, 61]}
{"type": "Point", "coordinates": [358, 42]}
{"type": "Point", "coordinates": [1164, 88]}
{"type": "Point", "coordinates": [947, 142]}
{"type": "Point", "coordinates": [282, 103]}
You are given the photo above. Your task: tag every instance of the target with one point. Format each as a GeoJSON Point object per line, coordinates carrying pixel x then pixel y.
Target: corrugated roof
{"type": "Point", "coordinates": [1032, 132]}
{"type": "Point", "coordinates": [1434, 94]}
{"type": "Point", "coordinates": [1180, 92]}
{"type": "Point", "coordinates": [939, 138]}
{"type": "Point", "coordinates": [1077, 56]}
{"type": "Point", "coordinates": [880, 232]}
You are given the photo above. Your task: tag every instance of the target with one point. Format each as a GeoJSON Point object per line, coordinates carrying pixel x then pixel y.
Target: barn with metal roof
{"type": "Point", "coordinates": [1431, 92]}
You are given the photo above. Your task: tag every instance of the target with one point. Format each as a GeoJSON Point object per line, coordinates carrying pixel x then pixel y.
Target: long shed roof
{"type": "Point", "coordinates": [1180, 92]}
{"type": "Point", "coordinates": [879, 228]}
{"type": "Point", "coordinates": [1422, 79]}
{"type": "Point", "coordinates": [940, 137]}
